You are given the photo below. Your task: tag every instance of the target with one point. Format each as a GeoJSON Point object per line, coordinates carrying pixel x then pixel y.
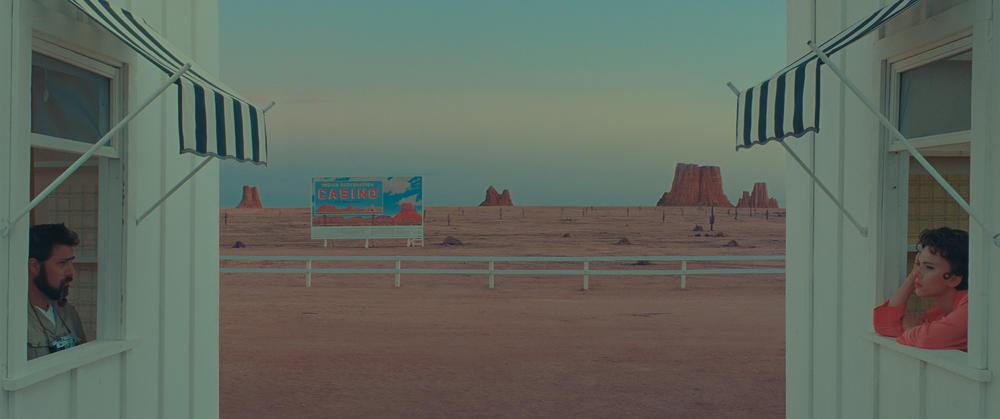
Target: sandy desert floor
{"type": "Point", "coordinates": [448, 346]}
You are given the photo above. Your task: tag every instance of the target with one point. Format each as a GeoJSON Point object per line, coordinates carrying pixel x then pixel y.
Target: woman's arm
{"type": "Point", "coordinates": [912, 320]}
{"type": "Point", "coordinates": [902, 294]}
{"type": "Point", "coordinates": [888, 317]}
{"type": "Point", "coordinates": [948, 332]}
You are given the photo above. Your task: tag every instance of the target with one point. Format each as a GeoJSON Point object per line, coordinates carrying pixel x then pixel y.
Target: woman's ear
{"type": "Point", "coordinates": [954, 280]}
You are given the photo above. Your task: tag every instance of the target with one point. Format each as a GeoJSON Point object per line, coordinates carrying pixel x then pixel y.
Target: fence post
{"type": "Point", "coordinates": [586, 277]}
{"type": "Point", "coordinates": [309, 273]}
{"type": "Point", "coordinates": [398, 263]}
{"type": "Point", "coordinates": [684, 269]}
{"type": "Point", "coordinates": [491, 274]}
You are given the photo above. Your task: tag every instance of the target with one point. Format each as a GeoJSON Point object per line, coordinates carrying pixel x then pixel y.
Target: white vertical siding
{"type": "Point", "coordinates": [899, 388]}
{"type": "Point", "coordinates": [946, 393]}
{"type": "Point", "coordinates": [990, 256]}
{"type": "Point", "coordinates": [19, 187]}
{"type": "Point", "coordinates": [171, 260]}
{"type": "Point", "coordinates": [98, 389]}
{"type": "Point", "coordinates": [175, 277]}
{"type": "Point", "coordinates": [827, 257]}
{"type": "Point", "coordinates": [50, 399]}
{"type": "Point", "coordinates": [799, 242]}
{"type": "Point", "coordinates": [983, 72]}
{"type": "Point", "coordinates": [144, 264]}
{"type": "Point", "coordinates": [859, 171]}
{"type": "Point", "coordinates": [832, 274]}
{"type": "Point", "coordinates": [204, 379]}
{"type": "Point", "coordinates": [6, 67]}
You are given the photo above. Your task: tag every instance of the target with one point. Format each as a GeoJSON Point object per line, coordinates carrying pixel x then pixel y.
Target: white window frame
{"type": "Point", "coordinates": [111, 203]}
{"type": "Point", "coordinates": [45, 45]}
{"type": "Point", "coordinates": [893, 209]}
{"type": "Point", "coordinates": [947, 144]}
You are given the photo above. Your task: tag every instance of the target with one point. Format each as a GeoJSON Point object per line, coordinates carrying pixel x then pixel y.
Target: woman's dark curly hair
{"type": "Point", "coordinates": [953, 246]}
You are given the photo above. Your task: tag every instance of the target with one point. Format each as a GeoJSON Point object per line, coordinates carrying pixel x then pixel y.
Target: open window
{"type": "Point", "coordinates": [930, 99]}
{"type": "Point", "coordinates": [74, 100]}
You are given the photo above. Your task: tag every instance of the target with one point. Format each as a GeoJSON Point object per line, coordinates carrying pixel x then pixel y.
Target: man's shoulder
{"type": "Point", "coordinates": [67, 308]}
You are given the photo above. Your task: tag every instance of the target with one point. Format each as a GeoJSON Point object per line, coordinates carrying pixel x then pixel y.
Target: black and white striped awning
{"type": "Point", "coordinates": [212, 119]}
{"type": "Point", "coordinates": [787, 105]}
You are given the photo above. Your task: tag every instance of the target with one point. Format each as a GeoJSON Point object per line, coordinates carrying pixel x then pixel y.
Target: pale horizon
{"type": "Point", "coordinates": [563, 103]}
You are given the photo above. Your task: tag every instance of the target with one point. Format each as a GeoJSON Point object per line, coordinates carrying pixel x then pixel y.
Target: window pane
{"type": "Point", "coordinates": [929, 206]}
{"type": "Point", "coordinates": [74, 203]}
{"type": "Point", "coordinates": [936, 98]}
{"type": "Point", "coordinates": [67, 101]}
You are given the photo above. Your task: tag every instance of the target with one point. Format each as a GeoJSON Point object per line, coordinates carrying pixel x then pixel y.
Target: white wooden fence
{"type": "Point", "coordinates": [586, 272]}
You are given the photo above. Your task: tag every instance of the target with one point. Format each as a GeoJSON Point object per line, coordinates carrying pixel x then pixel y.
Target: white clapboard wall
{"type": "Point", "coordinates": [161, 360]}
{"type": "Point", "coordinates": [835, 365]}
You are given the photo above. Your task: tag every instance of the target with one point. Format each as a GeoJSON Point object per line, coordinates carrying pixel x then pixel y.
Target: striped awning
{"type": "Point", "coordinates": [787, 105]}
{"type": "Point", "coordinates": [212, 119]}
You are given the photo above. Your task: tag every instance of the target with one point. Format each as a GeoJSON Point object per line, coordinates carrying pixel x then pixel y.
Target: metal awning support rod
{"type": "Point", "coordinates": [174, 189]}
{"type": "Point", "coordinates": [6, 226]}
{"type": "Point", "coordinates": [895, 133]}
{"type": "Point", "coordinates": [733, 88]}
{"type": "Point", "coordinates": [861, 229]}
{"type": "Point", "coordinates": [184, 180]}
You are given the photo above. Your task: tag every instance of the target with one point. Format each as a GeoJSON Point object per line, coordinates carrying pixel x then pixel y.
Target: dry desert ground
{"type": "Point", "coordinates": [534, 346]}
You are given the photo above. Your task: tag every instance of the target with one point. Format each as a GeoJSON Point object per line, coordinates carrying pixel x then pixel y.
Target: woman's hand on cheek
{"type": "Point", "coordinates": [911, 278]}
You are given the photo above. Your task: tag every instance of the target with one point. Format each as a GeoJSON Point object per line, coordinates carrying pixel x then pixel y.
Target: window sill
{"type": "Point", "coordinates": [50, 366]}
{"type": "Point", "coordinates": [951, 360]}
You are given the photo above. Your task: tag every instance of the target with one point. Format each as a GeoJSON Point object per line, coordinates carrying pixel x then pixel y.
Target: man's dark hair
{"type": "Point", "coordinates": [953, 246]}
{"type": "Point", "coordinates": [43, 237]}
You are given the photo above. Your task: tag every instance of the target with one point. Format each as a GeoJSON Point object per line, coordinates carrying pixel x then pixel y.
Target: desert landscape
{"type": "Point", "coordinates": [534, 346]}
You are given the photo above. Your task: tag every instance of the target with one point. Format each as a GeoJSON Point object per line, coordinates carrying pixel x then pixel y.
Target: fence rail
{"type": "Point", "coordinates": [586, 272]}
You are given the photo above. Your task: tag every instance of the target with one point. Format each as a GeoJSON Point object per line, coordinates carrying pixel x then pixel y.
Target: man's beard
{"type": "Point", "coordinates": [58, 294]}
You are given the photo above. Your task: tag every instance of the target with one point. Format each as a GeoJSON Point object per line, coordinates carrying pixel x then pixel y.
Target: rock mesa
{"type": "Point", "coordinates": [251, 198]}
{"type": "Point", "coordinates": [695, 185]}
{"type": "Point", "coordinates": [494, 199]}
{"type": "Point", "coordinates": [757, 198]}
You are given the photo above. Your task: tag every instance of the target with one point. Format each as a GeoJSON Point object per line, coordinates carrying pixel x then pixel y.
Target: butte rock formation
{"type": "Point", "coordinates": [758, 198]}
{"type": "Point", "coordinates": [494, 199]}
{"type": "Point", "coordinates": [251, 198]}
{"type": "Point", "coordinates": [695, 185]}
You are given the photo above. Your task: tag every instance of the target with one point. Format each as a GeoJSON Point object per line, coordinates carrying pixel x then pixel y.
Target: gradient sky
{"type": "Point", "coordinates": [570, 102]}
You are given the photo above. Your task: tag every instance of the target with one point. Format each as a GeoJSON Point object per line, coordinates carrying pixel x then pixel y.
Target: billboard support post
{"type": "Point", "coordinates": [398, 263]}
{"type": "Point", "coordinates": [309, 274]}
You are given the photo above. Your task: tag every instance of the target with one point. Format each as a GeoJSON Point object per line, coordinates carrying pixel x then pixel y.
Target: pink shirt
{"type": "Point", "coordinates": [939, 330]}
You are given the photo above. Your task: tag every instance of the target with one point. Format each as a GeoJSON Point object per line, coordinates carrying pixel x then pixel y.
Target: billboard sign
{"type": "Point", "coordinates": [367, 207]}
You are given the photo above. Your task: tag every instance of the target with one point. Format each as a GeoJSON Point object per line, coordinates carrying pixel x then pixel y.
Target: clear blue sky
{"type": "Point", "coordinates": [572, 102]}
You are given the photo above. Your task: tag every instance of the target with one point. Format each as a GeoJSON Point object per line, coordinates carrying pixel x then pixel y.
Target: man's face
{"type": "Point", "coordinates": [54, 275]}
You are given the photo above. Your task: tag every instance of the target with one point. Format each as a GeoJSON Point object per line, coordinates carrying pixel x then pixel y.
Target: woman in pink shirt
{"type": "Point", "coordinates": [940, 271]}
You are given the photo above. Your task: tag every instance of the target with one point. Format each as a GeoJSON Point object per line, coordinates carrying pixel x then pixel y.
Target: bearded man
{"type": "Point", "coordinates": [53, 323]}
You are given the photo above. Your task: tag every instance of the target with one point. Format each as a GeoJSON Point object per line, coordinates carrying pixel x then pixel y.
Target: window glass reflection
{"type": "Point", "coordinates": [936, 98]}
{"type": "Point", "coordinates": [67, 101]}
